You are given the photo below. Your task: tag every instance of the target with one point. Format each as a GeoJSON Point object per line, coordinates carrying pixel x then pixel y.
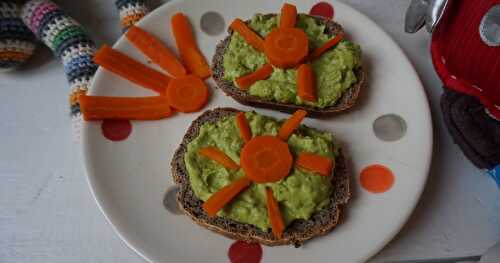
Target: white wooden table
{"type": "Point", "coordinates": [47, 213]}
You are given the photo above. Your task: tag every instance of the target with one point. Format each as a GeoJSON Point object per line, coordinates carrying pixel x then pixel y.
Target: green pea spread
{"type": "Point", "coordinates": [334, 70]}
{"type": "Point", "coordinates": [300, 194]}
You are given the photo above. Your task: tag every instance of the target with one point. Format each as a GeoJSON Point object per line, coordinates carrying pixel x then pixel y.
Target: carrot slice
{"type": "Point", "coordinates": [154, 49]}
{"type": "Point", "coordinates": [130, 69]}
{"type": "Point", "coordinates": [315, 163]}
{"type": "Point", "coordinates": [266, 159]}
{"type": "Point", "coordinates": [248, 34]}
{"type": "Point", "coordinates": [286, 47]}
{"type": "Point", "coordinates": [322, 49]}
{"type": "Point", "coordinates": [306, 82]}
{"type": "Point", "coordinates": [242, 123]}
{"type": "Point", "coordinates": [187, 94]}
{"type": "Point", "coordinates": [246, 81]}
{"type": "Point", "coordinates": [128, 108]}
{"type": "Point", "coordinates": [291, 124]}
{"type": "Point", "coordinates": [288, 16]}
{"type": "Point", "coordinates": [274, 213]}
{"type": "Point", "coordinates": [219, 156]}
{"type": "Point", "coordinates": [191, 56]}
{"type": "Point", "coordinates": [219, 199]}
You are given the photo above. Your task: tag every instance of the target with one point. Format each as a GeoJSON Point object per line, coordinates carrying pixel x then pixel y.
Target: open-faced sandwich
{"type": "Point", "coordinates": [289, 61]}
{"type": "Point", "coordinates": [255, 178]}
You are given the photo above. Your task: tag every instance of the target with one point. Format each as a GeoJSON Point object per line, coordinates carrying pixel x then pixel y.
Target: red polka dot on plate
{"type": "Point", "coordinates": [323, 9]}
{"type": "Point", "coordinates": [243, 252]}
{"type": "Point", "coordinates": [116, 130]}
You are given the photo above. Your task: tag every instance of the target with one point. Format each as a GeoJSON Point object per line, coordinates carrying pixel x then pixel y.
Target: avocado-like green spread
{"type": "Point", "coordinates": [300, 194]}
{"type": "Point", "coordinates": [334, 70]}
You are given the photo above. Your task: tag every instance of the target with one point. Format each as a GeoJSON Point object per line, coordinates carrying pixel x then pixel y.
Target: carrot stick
{"type": "Point", "coordinates": [246, 81]}
{"type": "Point", "coordinates": [315, 163]}
{"type": "Point", "coordinates": [219, 199]}
{"type": "Point", "coordinates": [248, 34]}
{"type": "Point", "coordinates": [187, 94]}
{"type": "Point", "coordinates": [129, 108]}
{"type": "Point", "coordinates": [286, 47]}
{"type": "Point", "coordinates": [191, 56]}
{"type": "Point", "coordinates": [266, 159]}
{"type": "Point", "coordinates": [219, 156]}
{"type": "Point", "coordinates": [242, 123]}
{"type": "Point", "coordinates": [274, 213]}
{"type": "Point", "coordinates": [322, 49]}
{"type": "Point", "coordinates": [291, 124]}
{"type": "Point", "coordinates": [154, 49]}
{"type": "Point", "coordinates": [128, 68]}
{"type": "Point", "coordinates": [306, 88]}
{"type": "Point", "coordinates": [288, 15]}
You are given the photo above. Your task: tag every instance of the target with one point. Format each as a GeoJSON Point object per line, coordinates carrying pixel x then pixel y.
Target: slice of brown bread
{"type": "Point", "coordinates": [296, 233]}
{"type": "Point", "coordinates": [345, 102]}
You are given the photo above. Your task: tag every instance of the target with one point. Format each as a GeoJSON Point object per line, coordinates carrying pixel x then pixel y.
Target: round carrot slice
{"type": "Point", "coordinates": [187, 94]}
{"type": "Point", "coordinates": [266, 159]}
{"type": "Point", "coordinates": [286, 47]}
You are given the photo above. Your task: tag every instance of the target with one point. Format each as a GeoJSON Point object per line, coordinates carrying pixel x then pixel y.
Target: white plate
{"type": "Point", "coordinates": [129, 178]}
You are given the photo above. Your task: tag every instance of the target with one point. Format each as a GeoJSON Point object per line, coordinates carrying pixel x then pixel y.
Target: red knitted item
{"type": "Point", "coordinates": [462, 60]}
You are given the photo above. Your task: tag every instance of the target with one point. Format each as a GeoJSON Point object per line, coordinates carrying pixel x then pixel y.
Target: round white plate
{"type": "Point", "coordinates": [129, 178]}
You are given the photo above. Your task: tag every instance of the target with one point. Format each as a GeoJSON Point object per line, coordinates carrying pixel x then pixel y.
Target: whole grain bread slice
{"type": "Point", "coordinates": [299, 231]}
{"type": "Point", "coordinates": [345, 102]}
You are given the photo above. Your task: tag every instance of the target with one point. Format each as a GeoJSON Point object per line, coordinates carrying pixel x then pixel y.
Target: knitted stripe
{"type": "Point", "coordinates": [17, 42]}
{"type": "Point", "coordinates": [131, 11]}
{"type": "Point", "coordinates": [17, 46]}
{"type": "Point", "coordinates": [68, 41]}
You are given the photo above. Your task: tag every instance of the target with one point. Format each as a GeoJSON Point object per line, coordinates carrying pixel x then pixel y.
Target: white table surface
{"type": "Point", "coordinates": [47, 213]}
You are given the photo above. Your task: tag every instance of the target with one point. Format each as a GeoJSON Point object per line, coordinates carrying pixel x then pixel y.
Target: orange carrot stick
{"type": "Point", "coordinates": [315, 163]}
{"type": "Point", "coordinates": [154, 49]}
{"type": "Point", "coordinates": [246, 81]}
{"type": "Point", "coordinates": [242, 123]}
{"type": "Point", "coordinates": [286, 47]}
{"type": "Point", "coordinates": [129, 108]}
{"type": "Point", "coordinates": [219, 156]}
{"type": "Point", "coordinates": [248, 34]}
{"type": "Point", "coordinates": [291, 124]}
{"type": "Point", "coordinates": [320, 50]}
{"type": "Point", "coordinates": [128, 68]}
{"type": "Point", "coordinates": [219, 199]}
{"type": "Point", "coordinates": [191, 56]}
{"type": "Point", "coordinates": [306, 83]}
{"type": "Point", "coordinates": [288, 15]}
{"type": "Point", "coordinates": [274, 213]}
{"type": "Point", "coordinates": [187, 94]}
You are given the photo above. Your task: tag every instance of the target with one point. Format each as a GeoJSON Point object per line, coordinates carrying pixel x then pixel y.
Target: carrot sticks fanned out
{"type": "Point", "coordinates": [128, 108]}
{"type": "Point", "coordinates": [242, 123]}
{"type": "Point", "coordinates": [322, 49]}
{"type": "Point", "coordinates": [291, 124]}
{"type": "Point", "coordinates": [219, 199]}
{"type": "Point", "coordinates": [250, 37]}
{"type": "Point", "coordinates": [154, 49]}
{"type": "Point", "coordinates": [288, 15]}
{"type": "Point", "coordinates": [274, 213]}
{"type": "Point", "coordinates": [306, 88]}
{"type": "Point", "coordinates": [316, 163]}
{"type": "Point", "coordinates": [191, 56]}
{"type": "Point", "coordinates": [219, 156]}
{"type": "Point", "coordinates": [262, 73]}
{"type": "Point", "coordinates": [130, 69]}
